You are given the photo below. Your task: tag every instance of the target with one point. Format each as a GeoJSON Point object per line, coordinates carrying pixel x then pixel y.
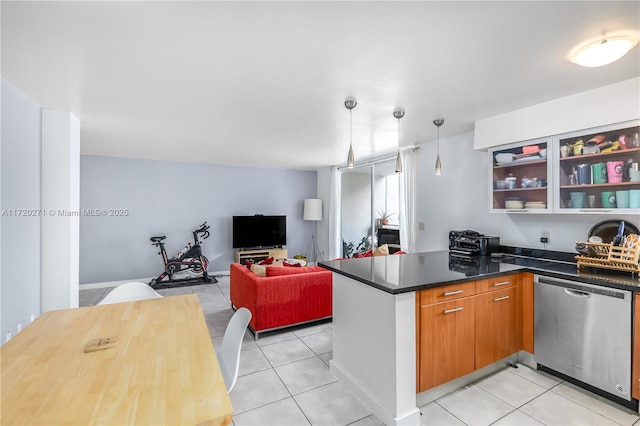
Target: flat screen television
{"type": "Point", "coordinates": [259, 231]}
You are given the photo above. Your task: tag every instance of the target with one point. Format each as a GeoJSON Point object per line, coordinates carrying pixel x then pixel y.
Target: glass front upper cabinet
{"type": "Point", "coordinates": [519, 180]}
{"type": "Point", "coordinates": [597, 170]}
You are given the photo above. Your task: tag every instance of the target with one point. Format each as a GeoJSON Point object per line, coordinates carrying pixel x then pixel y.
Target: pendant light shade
{"type": "Point", "coordinates": [439, 122]}
{"type": "Point", "coordinates": [398, 113]}
{"type": "Point", "coordinates": [350, 104]}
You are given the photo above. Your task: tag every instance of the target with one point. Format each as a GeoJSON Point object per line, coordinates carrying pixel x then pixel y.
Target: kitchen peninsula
{"type": "Point", "coordinates": [377, 305]}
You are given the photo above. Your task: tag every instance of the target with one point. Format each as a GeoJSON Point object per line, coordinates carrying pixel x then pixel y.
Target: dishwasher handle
{"type": "Point", "coordinates": [577, 293]}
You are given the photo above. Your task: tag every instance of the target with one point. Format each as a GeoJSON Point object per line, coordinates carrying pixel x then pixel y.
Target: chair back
{"type": "Point", "coordinates": [229, 352]}
{"type": "Point", "coordinates": [129, 292]}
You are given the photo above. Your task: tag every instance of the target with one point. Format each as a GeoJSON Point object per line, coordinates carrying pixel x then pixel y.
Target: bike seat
{"type": "Point", "coordinates": [157, 239]}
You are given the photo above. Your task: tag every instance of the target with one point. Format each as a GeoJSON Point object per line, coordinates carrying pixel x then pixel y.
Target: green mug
{"type": "Point", "coordinates": [599, 173]}
{"type": "Point", "coordinates": [609, 199]}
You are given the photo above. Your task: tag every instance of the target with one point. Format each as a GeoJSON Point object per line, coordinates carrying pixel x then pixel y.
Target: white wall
{"type": "Point", "coordinates": [20, 189]}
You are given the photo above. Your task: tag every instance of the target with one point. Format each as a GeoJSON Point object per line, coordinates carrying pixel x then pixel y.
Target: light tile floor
{"type": "Point", "coordinates": [284, 379]}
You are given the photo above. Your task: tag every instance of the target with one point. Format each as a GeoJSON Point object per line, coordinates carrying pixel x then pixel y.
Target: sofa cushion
{"type": "Point", "coordinates": [259, 270]}
{"type": "Point", "coordinates": [274, 271]}
{"type": "Point", "coordinates": [268, 261]}
{"type": "Point", "coordinates": [383, 250]}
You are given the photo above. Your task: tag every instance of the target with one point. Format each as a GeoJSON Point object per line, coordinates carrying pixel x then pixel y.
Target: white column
{"type": "Point", "coordinates": [61, 204]}
{"type": "Point", "coordinates": [374, 349]}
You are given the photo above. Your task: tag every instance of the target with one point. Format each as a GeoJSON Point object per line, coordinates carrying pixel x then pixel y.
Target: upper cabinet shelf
{"type": "Point", "coordinates": [596, 170]}
{"type": "Point", "coordinates": [519, 177]}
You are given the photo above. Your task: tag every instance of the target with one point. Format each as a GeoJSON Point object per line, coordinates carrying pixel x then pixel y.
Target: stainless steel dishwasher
{"type": "Point", "coordinates": [584, 332]}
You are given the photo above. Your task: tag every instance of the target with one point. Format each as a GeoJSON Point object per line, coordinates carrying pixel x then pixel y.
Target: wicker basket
{"type": "Point", "coordinates": [608, 256]}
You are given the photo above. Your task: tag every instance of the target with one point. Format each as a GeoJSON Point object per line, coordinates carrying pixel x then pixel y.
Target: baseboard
{"type": "Point", "coordinates": [106, 284]}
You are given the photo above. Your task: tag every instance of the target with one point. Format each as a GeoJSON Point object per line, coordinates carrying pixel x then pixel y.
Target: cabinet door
{"type": "Point", "coordinates": [526, 294]}
{"type": "Point", "coordinates": [590, 176]}
{"type": "Point", "coordinates": [635, 388]}
{"type": "Point", "coordinates": [496, 325]}
{"type": "Point", "coordinates": [447, 335]}
{"type": "Point", "coordinates": [521, 172]}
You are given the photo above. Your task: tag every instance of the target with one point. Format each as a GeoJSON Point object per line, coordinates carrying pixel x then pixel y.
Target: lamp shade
{"type": "Point", "coordinates": [312, 209]}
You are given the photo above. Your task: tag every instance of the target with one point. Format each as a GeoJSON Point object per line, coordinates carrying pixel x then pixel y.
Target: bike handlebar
{"type": "Point", "coordinates": [203, 230]}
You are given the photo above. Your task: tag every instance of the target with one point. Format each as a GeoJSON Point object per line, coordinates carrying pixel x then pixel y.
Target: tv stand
{"type": "Point", "coordinates": [256, 255]}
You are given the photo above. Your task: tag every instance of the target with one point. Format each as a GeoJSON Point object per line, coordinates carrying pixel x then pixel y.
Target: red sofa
{"type": "Point", "coordinates": [301, 295]}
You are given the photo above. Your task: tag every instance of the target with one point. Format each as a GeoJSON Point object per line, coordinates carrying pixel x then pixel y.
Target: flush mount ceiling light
{"type": "Point", "coordinates": [398, 113]}
{"type": "Point", "coordinates": [439, 122]}
{"type": "Point", "coordinates": [350, 104]}
{"type": "Point", "coordinates": [603, 51]}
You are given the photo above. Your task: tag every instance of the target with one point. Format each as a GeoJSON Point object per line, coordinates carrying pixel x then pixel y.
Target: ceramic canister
{"type": "Point", "coordinates": [609, 199]}
{"type": "Point", "coordinates": [599, 173]}
{"type": "Point", "coordinates": [577, 199]}
{"type": "Point", "coordinates": [584, 174]}
{"type": "Point", "coordinates": [614, 171]}
{"type": "Point", "coordinates": [634, 198]}
{"type": "Point", "coordinates": [622, 199]}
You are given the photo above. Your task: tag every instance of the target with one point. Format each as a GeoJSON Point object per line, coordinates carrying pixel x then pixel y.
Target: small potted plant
{"type": "Point", "coordinates": [384, 216]}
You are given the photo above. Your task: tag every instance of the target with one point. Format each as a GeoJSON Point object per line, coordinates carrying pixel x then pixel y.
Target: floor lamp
{"type": "Point", "coordinates": [313, 212]}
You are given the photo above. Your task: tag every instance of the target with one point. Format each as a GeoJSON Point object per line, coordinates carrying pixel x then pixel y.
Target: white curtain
{"type": "Point", "coordinates": [407, 199]}
{"type": "Point", "coordinates": [335, 209]}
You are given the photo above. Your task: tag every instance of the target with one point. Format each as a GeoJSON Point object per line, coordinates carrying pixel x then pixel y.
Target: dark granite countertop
{"type": "Point", "coordinates": [416, 271]}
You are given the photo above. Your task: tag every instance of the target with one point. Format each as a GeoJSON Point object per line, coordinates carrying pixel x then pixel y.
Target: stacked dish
{"type": "Point", "coordinates": [514, 203]}
{"type": "Point", "coordinates": [535, 205]}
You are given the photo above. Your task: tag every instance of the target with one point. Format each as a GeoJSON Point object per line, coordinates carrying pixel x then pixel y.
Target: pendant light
{"type": "Point", "coordinates": [439, 122]}
{"type": "Point", "coordinates": [350, 104]}
{"type": "Point", "coordinates": [399, 113]}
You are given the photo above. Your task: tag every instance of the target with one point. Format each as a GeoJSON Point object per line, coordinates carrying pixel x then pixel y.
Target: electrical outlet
{"type": "Point", "coordinates": [544, 237]}
{"type": "Point", "coordinates": [19, 328]}
{"type": "Point", "coordinates": [420, 226]}
{"type": "Point", "coordinates": [7, 337]}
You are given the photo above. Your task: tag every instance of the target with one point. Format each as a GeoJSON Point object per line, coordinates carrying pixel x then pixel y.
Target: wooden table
{"type": "Point", "coordinates": [163, 371]}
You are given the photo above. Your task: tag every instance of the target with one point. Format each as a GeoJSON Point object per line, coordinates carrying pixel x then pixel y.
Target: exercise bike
{"type": "Point", "coordinates": [189, 265]}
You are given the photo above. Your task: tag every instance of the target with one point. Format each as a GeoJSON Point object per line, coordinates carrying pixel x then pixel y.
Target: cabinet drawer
{"type": "Point", "coordinates": [496, 283]}
{"type": "Point", "coordinates": [447, 292]}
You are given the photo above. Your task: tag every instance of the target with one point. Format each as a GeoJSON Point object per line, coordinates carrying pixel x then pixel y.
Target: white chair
{"type": "Point", "coordinates": [129, 292]}
{"type": "Point", "coordinates": [229, 352]}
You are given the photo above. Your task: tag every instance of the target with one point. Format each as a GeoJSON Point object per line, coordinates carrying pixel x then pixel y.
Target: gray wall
{"type": "Point", "coordinates": [172, 199]}
{"type": "Point", "coordinates": [20, 189]}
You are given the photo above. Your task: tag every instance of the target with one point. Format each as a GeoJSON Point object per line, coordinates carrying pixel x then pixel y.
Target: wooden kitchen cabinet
{"type": "Point", "coordinates": [463, 327]}
{"type": "Point", "coordinates": [447, 336]}
{"type": "Point", "coordinates": [496, 326]}
{"type": "Point", "coordinates": [635, 377]}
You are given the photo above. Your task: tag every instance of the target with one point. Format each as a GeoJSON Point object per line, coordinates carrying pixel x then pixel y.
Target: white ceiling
{"type": "Point", "coordinates": [263, 83]}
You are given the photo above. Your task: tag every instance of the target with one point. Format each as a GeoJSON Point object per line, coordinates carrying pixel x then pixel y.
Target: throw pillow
{"type": "Point", "coordinates": [259, 270]}
{"type": "Point", "coordinates": [291, 264]}
{"type": "Point", "coordinates": [383, 250]}
{"type": "Point", "coordinates": [400, 252]}
{"type": "Point", "coordinates": [268, 261]}
{"type": "Point", "coordinates": [248, 264]}
{"type": "Point", "coordinates": [275, 272]}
